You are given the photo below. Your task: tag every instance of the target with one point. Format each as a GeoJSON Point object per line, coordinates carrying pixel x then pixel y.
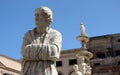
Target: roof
{"type": "Point", "coordinates": [9, 63]}
{"type": "Point", "coordinates": [104, 36]}
{"type": "Point", "coordinates": [70, 51]}
{"type": "Point", "coordinates": [9, 58]}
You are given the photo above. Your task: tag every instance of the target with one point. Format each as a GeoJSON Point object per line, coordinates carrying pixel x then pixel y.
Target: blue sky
{"type": "Point", "coordinates": [100, 17]}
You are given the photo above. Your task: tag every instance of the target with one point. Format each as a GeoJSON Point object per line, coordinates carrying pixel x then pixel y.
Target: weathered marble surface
{"type": "Point", "coordinates": [41, 46]}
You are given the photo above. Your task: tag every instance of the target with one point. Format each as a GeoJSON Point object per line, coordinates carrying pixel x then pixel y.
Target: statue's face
{"type": "Point", "coordinates": [75, 67]}
{"type": "Point", "coordinates": [82, 60]}
{"type": "Point", "coordinates": [42, 19]}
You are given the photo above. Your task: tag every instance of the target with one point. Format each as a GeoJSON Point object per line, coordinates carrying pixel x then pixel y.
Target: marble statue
{"type": "Point", "coordinates": [88, 70]}
{"type": "Point", "coordinates": [41, 46]}
{"type": "Point", "coordinates": [83, 38]}
{"type": "Point", "coordinates": [85, 68]}
{"type": "Point", "coordinates": [83, 31]}
{"type": "Point", "coordinates": [76, 70]}
{"type": "Point", "coordinates": [83, 65]}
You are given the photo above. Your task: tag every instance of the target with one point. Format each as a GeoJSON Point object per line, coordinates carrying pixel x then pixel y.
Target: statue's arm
{"type": "Point", "coordinates": [33, 51]}
{"type": "Point", "coordinates": [29, 50]}
{"type": "Point", "coordinates": [51, 51]}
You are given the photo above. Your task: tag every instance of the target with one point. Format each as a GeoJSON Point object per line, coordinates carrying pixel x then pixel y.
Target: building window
{"type": "Point", "coordinates": [59, 63]}
{"type": "Point", "coordinates": [117, 53]}
{"type": "Point", "coordinates": [6, 74]}
{"type": "Point", "coordinates": [100, 55]}
{"type": "Point", "coordinates": [118, 40]}
{"type": "Point", "coordinates": [96, 64]}
{"type": "Point", "coordinates": [72, 61]}
{"type": "Point", "coordinates": [118, 62]}
{"type": "Point", "coordinates": [59, 73]}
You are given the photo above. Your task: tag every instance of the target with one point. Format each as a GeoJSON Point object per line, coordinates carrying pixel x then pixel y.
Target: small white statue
{"type": "Point", "coordinates": [88, 71]}
{"type": "Point", "coordinates": [76, 71]}
{"type": "Point", "coordinates": [83, 31]}
{"type": "Point", "coordinates": [83, 66]}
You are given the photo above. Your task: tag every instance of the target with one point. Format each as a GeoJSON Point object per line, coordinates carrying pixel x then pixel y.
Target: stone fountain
{"type": "Point", "coordinates": [83, 55]}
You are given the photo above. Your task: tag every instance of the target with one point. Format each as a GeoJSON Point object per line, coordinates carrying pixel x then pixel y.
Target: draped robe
{"type": "Point", "coordinates": [40, 52]}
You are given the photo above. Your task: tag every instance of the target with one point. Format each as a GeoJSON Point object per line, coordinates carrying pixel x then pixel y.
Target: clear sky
{"type": "Point", "coordinates": [100, 17]}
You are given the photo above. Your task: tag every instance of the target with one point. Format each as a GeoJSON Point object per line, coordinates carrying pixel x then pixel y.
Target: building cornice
{"type": "Point", "coordinates": [9, 58]}
{"type": "Point", "coordinates": [70, 51]}
{"type": "Point", "coordinates": [10, 69]}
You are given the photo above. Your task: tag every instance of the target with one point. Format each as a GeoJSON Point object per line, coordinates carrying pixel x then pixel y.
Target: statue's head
{"type": "Point", "coordinates": [75, 67]}
{"type": "Point", "coordinates": [82, 59]}
{"type": "Point", "coordinates": [43, 17]}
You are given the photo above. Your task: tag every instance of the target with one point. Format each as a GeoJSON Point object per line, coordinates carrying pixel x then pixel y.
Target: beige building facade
{"type": "Point", "coordinates": [9, 66]}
